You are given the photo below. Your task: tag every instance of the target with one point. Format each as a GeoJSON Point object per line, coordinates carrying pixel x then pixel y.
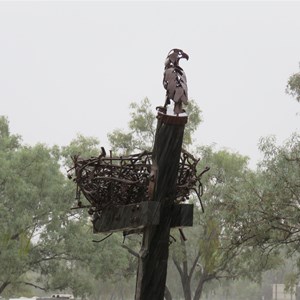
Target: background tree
{"type": "Point", "coordinates": [293, 86]}
{"type": "Point", "coordinates": [80, 145]}
{"type": "Point", "coordinates": [271, 220]}
{"type": "Point", "coordinates": [250, 215]}
{"type": "Point", "coordinates": [32, 201]}
{"type": "Point", "coordinates": [142, 126]}
{"type": "Point", "coordinates": [209, 254]}
{"type": "Point", "coordinates": [43, 243]}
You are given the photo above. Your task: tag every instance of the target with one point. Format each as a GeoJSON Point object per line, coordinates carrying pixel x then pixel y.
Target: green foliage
{"type": "Point", "coordinates": [141, 130]}
{"type": "Point", "coordinates": [39, 231]}
{"type": "Point", "coordinates": [142, 123]}
{"type": "Point", "coordinates": [280, 171]}
{"type": "Point", "coordinates": [142, 126]}
{"type": "Point", "coordinates": [257, 211]}
{"type": "Point", "coordinates": [209, 245]}
{"type": "Point", "coordinates": [7, 141]}
{"type": "Point", "coordinates": [81, 145]}
{"type": "Point", "coordinates": [293, 86]}
{"type": "Point", "coordinates": [273, 197]}
{"type": "Point", "coordinates": [290, 282]}
{"type": "Point", "coordinates": [194, 114]}
{"type": "Point", "coordinates": [31, 197]}
{"type": "Point", "coordinates": [121, 142]}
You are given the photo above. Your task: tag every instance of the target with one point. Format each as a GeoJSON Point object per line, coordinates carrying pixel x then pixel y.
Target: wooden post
{"type": "Point", "coordinates": [153, 257]}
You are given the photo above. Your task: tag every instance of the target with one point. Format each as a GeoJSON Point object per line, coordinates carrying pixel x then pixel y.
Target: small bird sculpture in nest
{"type": "Point", "coordinates": [175, 80]}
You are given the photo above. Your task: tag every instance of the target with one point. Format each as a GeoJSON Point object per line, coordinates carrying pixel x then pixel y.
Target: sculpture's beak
{"type": "Point", "coordinates": [184, 55]}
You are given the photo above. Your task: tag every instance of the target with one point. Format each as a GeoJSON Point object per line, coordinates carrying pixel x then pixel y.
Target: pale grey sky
{"type": "Point", "coordinates": [73, 67]}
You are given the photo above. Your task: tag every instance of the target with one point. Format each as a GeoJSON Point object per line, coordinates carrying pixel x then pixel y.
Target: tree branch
{"type": "Point", "coordinates": [194, 265]}
{"type": "Point", "coordinates": [134, 253]}
{"type": "Point", "coordinates": [33, 285]}
{"type": "Point", "coordinates": [3, 286]}
{"type": "Point", "coordinates": [177, 264]}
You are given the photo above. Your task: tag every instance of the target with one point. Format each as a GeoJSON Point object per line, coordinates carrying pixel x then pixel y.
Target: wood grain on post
{"type": "Point", "coordinates": [153, 258]}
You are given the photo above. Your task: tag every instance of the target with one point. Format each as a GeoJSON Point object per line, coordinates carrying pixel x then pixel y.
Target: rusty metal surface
{"type": "Point", "coordinates": [113, 181]}
{"type": "Point", "coordinates": [174, 80]}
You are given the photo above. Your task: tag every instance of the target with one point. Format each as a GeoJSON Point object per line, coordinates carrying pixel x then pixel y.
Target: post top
{"type": "Point", "coordinates": [172, 119]}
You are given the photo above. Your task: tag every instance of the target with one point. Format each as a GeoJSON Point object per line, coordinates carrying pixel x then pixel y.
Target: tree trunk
{"type": "Point", "coordinates": [185, 278]}
{"type": "Point", "coordinates": [185, 281]}
{"type": "Point", "coordinates": [199, 289]}
{"type": "Point", "coordinates": [186, 284]}
{"type": "Point", "coordinates": [3, 286]}
{"type": "Point", "coordinates": [185, 274]}
{"type": "Point", "coordinates": [153, 258]}
{"type": "Point", "coordinates": [168, 295]}
{"type": "Point", "coordinates": [204, 277]}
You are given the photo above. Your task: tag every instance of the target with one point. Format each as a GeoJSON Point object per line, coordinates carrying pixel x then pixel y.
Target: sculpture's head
{"type": "Point", "coordinates": [174, 56]}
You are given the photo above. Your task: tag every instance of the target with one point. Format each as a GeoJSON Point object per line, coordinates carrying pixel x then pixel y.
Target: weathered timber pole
{"type": "Point", "coordinates": [153, 258]}
{"type": "Point", "coordinates": [124, 197]}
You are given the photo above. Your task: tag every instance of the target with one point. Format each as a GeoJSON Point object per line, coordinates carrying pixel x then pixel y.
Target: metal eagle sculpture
{"type": "Point", "coordinates": [175, 80]}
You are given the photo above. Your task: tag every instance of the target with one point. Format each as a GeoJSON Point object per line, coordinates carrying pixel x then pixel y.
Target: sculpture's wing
{"type": "Point", "coordinates": [183, 77]}
{"type": "Point", "coordinates": [171, 87]}
{"type": "Point", "coordinates": [183, 83]}
{"type": "Point", "coordinates": [184, 98]}
{"type": "Point", "coordinates": [168, 75]}
{"type": "Point", "coordinates": [178, 94]}
{"type": "Point", "coordinates": [170, 82]}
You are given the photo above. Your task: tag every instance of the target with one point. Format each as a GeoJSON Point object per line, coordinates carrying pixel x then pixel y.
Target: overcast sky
{"type": "Point", "coordinates": [74, 67]}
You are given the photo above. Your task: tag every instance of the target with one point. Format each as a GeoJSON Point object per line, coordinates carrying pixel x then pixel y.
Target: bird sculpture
{"type": "Point", "coordinates": [175, 80]}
